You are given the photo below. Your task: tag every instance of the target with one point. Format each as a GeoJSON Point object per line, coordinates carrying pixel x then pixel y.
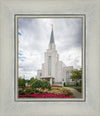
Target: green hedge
{"type": "Point", "coordinates": [40, 84]}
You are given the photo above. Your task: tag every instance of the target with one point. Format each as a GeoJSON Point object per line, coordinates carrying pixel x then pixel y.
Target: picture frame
{"type": "Point", "coordinates": [83, 58]}
{"type": "Point", "coordinates": [8, 106]}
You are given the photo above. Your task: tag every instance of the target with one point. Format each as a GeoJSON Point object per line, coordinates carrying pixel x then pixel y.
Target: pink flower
{"type": "Point", "coordinates": [44, 95]}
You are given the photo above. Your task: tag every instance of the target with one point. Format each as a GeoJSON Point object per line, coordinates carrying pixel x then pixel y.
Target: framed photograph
{"type": "Point", "coordinates": [54, 77]}
{"type": "Point", "coordinates": [49, 58]}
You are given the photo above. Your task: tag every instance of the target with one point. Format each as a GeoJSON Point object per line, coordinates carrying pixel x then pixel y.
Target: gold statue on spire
{"type": "Point", "coordinates": [52, 26]}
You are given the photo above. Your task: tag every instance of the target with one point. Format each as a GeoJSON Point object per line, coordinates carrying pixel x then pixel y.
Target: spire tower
{"type": "Point", "coordinates": [52, 36]}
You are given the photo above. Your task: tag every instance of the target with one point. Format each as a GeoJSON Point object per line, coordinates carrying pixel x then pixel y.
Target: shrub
{"type": "Point", "coordinates": [36, 84]}
{"type": "Point", "coordinates": [77, 84]}
{"type": "Point", "coordinates": [32, 91]}
{"type": "Point", "coordinates": [28, 90]}
{"type": "Point", "coordinates": [31, 80]}
{"type": "Point", "coordinates": [64, 84]}
{"type": "Point", "coordinates": [36, 90]}
{"type": "Point", "coordinates": [46, 85]}
{"type": "Point", "coordinates": [79, 89]}
{"type": "Point", "coordinates": [80, 82]}
{"type": "Point", "coordinates": [41, 84]}
{"type": "Point", "coordinates": [21, 92]}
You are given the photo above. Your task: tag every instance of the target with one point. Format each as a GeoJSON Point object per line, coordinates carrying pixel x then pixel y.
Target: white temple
{"type": "Point", "coordinates": [53, 70]}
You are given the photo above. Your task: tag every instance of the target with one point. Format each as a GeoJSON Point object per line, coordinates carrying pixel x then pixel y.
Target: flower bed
{"type": "Point", "coordinates": [44, 95]}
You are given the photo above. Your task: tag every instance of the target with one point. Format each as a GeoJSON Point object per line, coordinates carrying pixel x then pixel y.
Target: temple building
{"type": "Point", "coordinates": [53, 70]}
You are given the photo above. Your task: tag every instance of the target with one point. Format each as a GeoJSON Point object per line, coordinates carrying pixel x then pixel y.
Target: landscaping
{"type": "Point", "coordinates": [43, 89]}
{"type": "Point", "coordinates": [45, 93]}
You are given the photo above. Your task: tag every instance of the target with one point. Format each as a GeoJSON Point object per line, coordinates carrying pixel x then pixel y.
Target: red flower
{"type": "Point", "coordinates": [44, 95]}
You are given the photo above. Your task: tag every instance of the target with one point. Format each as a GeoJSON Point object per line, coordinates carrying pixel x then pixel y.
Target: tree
{"type": "Point", "coordinates": [27, 81]}
{"type": "Point", "coordinates": [31, 80]}
{"type": "Point", "coordinates": [21, 82]}
{"type": "Point", "coordinates": [76, 75]}
{"type": "Point", "coordinates": [24, 81]}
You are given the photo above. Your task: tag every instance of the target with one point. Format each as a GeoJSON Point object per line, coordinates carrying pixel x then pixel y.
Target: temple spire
{"type": "Point", "coordinates": [52, 36]}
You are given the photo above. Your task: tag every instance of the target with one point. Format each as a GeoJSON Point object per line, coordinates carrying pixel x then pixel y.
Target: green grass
{"type": "Point", "coordinates": [79, 90]}
{"type": "Point", "coordinates": [72, 86]}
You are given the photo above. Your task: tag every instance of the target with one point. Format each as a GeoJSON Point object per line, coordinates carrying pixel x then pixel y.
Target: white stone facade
{"type": "Point", "coordinates": [53, 70]}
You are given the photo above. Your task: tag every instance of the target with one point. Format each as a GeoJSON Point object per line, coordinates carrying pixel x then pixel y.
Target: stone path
{"type": "Point", "coordinates": [75, 92]}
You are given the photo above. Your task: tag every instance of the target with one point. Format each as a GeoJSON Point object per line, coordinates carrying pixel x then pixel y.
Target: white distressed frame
{"type": "Point", "coordinates": [10, 107]}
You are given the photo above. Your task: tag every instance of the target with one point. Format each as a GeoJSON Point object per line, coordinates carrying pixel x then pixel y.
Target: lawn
{"type": "Point", "coordinates": [72, 86]}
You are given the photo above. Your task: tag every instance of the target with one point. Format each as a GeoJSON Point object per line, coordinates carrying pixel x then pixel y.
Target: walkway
{"type": "Point", "coordinates": [75, 92]}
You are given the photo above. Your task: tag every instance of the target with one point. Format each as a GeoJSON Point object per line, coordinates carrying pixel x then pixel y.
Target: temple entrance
{"type": "Point", "coordinates": [50, 79]}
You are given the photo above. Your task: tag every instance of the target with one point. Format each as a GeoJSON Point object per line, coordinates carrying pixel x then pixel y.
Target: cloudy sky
{"type": "Point", "coordinates": [34, 37]}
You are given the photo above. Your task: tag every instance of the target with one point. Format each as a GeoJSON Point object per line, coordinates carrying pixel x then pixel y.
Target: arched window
{"type": "Point", "coordinates": [49, 66]}
{"type": "Point", "coordinates": [40, 74]}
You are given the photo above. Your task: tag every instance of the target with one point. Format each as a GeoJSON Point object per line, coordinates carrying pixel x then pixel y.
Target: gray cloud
{"type": "Point", "coordinates": [36, 36]}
